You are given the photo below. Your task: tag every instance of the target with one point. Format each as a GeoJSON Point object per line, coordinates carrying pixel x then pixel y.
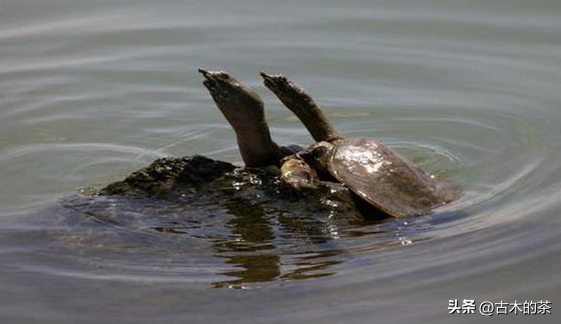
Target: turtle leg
{"type": "Point", "coordinates": [243, 109]}
{"type": "Point", "coordinates": [297, 177]}
{"type": "Point", "coordinates": [303, 106]}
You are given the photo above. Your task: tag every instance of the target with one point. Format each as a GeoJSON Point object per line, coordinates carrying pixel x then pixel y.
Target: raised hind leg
{"type": "Point", "coordinates": [243, 109]}
{"type": "Point", "coordinates": [303, 106]}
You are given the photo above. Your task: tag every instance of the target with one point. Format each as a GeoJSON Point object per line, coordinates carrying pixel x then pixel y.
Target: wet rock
{"type": "Point", "coordinates": [164, 174]}
{"type": "Point", "coordinates": [198, 181]}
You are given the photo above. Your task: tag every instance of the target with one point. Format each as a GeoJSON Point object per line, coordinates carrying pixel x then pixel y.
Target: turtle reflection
{"type": "Point", "coordinates": [279, 217]}
{"type": "Point", "coordinates": [252, 250]}
{"type": "Point", "coordinates": [175, 205]}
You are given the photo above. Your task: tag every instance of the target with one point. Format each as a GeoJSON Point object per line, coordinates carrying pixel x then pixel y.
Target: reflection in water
{"type": "Point", "coordinates": [257, 242]}
{"type": "Point", "coordinates": [312, 266]}
{"type": "Point", "coordinates": [249, 226]}
{"type": "Point", "coordinates": [252, 268]}
{"type": "Point", "coordinates": [469, 90]}
{"type": "Point", "coordinates": [253, 234]}
{"type": "Point", "coordinates": [233, 237]}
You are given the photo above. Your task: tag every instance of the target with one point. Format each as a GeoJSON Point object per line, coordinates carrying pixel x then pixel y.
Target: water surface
{"type": "Point", "coordinates": [90, 91]}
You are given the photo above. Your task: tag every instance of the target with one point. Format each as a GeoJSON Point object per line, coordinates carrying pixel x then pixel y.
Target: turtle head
{"type": "Point", "coordinates": [318, 157]}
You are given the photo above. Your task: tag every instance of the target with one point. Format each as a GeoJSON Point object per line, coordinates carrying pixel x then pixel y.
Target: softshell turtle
{"type": "Point", "coordinates": [326, 172]}
{"type": "Point", "coordinates": [174, 192]}
{"type": "Point", "coordinates": [381, 177]}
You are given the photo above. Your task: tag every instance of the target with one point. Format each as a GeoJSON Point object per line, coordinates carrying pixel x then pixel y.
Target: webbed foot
{"type": "Point", "coordinates": [303, 106]}
{"type": "Point", "coordinates": [243, 109]}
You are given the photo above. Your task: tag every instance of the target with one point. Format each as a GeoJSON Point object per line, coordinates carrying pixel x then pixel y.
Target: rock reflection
{"type": "Point", "coordinates": [314, 266]}
{"type": "Point", "coordinates": [256, 258]}
{"type": "Point", "coordinates": [229, 227]}
{"type": "Point", "coordinates": [252, 268]}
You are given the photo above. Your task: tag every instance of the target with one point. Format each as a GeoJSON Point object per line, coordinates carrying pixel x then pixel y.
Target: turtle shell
{"type": "Point", "coordinates": [383, 178]}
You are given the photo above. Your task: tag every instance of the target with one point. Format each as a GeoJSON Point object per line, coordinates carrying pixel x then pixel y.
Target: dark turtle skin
{"type": "Point", "coordinates": [329, 175]}
{"type": "Point", "coordinates": [378, 175]}
{"type": "Point", "coordinates": [283, 208]}
{"type": "Point", "coordinates": [243, 109]}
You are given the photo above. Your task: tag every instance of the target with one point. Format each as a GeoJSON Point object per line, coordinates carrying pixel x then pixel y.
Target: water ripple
{"type": "Point", "coordinates": [90, 92]}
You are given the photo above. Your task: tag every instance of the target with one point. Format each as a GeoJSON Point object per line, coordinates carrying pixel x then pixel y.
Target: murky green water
{"type": "Point", "coordinates": [90, 91]}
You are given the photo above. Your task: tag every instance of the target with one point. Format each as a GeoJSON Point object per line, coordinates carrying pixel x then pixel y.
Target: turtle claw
{"type": "Point", "coordinates": [243, 109]}
{"type": "Point", "coordinates": [212, 74]}
{"type": "Point", "coordinates": [219, 77]}
{"type": "Point", "coordinates": [209, 81]}
{"type": "Point", "coordinates": [204, 72]}
{"type": "Point", "coordinates": [220, 84]}
{"type": "Point", "coordinates": [274, 81]}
